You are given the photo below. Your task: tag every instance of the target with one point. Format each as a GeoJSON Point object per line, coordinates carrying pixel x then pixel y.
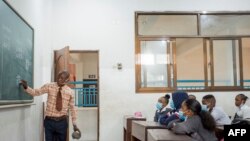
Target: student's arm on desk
{"type": "Point", "coordinates": [156, 117]}
{"type": "Point", "coordinates": [183, 128]}
{"type": "Point", "coordinates": [167, 119]}
{"type": "Point", "coordinates": [179, 128]}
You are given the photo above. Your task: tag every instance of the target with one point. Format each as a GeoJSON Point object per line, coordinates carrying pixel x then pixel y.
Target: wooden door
{"type": "Point", "coordinates": [72, 77]}
{"type": "Point", "coordinates": [61, 60]}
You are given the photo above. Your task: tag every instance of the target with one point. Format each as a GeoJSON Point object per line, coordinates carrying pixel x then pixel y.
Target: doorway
{"type": "Point", "coordinates": [84, 80]}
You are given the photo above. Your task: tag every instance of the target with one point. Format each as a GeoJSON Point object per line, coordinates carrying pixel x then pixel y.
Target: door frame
{"type": "Point", "coordinates": [98, 86]}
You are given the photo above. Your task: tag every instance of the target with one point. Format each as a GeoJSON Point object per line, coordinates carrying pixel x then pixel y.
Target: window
{"type": "Point", "coordinates": [190, 75]}
{"type": "Point", "coordinates": [208, 52]}
{"type": "Point", "coordinates": [223, 63]}
{"type": "Point", "coordinates": [225, 24]}
{"type": "Point", "coordinates": [154, 64]}
{"type": "Point", "coordinates": [167, 24]}
{"type": "Point", "coordinates": [246, 61]}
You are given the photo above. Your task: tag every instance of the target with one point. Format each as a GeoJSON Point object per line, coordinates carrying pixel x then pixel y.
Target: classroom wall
{"type": "Point", "coordinates": [76, 58]}
{"type": "Point", "coordinates": [26, 123]}
{"type": "Point", "coordinates": [107, 26]}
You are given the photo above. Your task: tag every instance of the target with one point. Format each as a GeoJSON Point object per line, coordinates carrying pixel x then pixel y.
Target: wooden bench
{"type": "Point", "coordinates": [127, 126]}
{"type": "Point", "coordinates": [140, 129]}
{"type": "Point", "coordinates": [166, 135]}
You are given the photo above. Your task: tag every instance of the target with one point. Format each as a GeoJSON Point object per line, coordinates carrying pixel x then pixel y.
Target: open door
{"type": "Point", "coordinates": [61, 60]}
{"type": "Point", "coordinates": [72, 77]}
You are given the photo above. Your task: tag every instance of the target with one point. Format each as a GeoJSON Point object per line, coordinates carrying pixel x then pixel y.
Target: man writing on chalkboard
{"type": "Point", "coordinates": [60, 98]}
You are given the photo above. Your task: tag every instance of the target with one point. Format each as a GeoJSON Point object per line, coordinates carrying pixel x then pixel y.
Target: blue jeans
{"type": "Point", "coordinates": [55, 130]}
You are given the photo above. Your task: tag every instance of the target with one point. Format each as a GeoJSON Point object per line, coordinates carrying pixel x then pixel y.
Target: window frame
{"type": "Point", "coordinates": [138, 68]}
{"type": "Point", "coordinates": [223, 88]}
{"type": "Point", "coordinates": [139, 38]}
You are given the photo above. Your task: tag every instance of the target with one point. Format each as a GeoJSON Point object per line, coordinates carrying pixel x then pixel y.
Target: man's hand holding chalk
{"type": "Point", "coordinates": [24, 84]}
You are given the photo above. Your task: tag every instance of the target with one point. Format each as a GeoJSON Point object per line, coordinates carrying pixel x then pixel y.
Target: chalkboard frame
{"type": "Point", "coordinates": [8, 102]}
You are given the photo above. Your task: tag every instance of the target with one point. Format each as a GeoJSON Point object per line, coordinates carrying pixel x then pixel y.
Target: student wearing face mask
{"type": "Point", "coordinates": [176, 114]}
{"type": "Point", "coordinates": [243, 111]}
{"type": "Point", "coordinates": [200, 125]}
{"type": "Point", "coordinates": [161, 107]}
{"type": "Point", "coordinates": [220, 117]}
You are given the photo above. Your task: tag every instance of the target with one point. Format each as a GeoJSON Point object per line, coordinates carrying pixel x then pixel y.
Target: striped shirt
{"type": "Point", "coordinates": [52, 89]}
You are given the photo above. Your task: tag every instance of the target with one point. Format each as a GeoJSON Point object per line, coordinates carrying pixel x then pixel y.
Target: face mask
{"type": "Point", "coordinates": [172, 104]}
{"type": "Point", "coordinates": [158, 106]}
{"type": "Point", "coordinates": [182, 117]}
{"type": "Point", "coordinates": [204, 107]}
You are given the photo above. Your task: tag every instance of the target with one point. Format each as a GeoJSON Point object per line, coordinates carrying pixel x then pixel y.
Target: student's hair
{"type": "Point", "coordinates": [190, 96]}
{"type": "Point", "coordinates": [178, 97]}
{"type": "Point", "coordinates": [211, 99]}
{"type": "Point", "coordinates": [243, 97]}
{"type": "Point", "coordinates": [64, 72]}
{"type": "Point", "coordinates": [206, 118]}
{"type": "Point", "coordinates": [167, 97]}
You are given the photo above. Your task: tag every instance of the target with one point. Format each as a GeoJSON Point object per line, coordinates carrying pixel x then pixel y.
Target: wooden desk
{"type": "Point", "coordinates": [166, 135]}
{"type": "Point", "coordinates": [127, 126]}
{"type": "Point", "coordinates": [140, 129]}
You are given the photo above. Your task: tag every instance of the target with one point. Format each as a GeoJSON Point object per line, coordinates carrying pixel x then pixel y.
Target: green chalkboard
{"type": "Point", "coordinates": [16, 55]}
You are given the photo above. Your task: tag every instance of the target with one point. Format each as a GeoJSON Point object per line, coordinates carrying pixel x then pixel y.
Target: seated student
{"type": "Point", "coordinates": [220, 117]}
{"type": "Point", "coordinates": [191, 96]}
{"type": "Point", "coordinates": [243, 111]}
{"type": "Point", "coordinates": [200, 125]}
{"type": "Point", "coordinates": [177, 98]}
{"type": "Point", "coordinates": [161, 107]}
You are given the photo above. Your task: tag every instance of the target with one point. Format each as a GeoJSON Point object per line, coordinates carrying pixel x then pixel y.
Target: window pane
{"type": "Point", "coordinates": [153, 60]}
{"type": "Point", "coordinates": [246, 61]}
{"type": "Point", "coordinates": [237, 63]}
{"type": "Point", "coordinates": [167, 25]}
{"type": "Point", "coordinates": [189, 61]}
{"type": "Point", "coordinates": [225, 25]}
{"type": "Point", "coordinates": [208, 62]}
{"type": "Point", "coordinates": [224, 53]}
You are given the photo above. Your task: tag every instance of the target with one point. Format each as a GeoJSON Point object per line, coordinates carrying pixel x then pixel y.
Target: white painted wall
{"type": "Point", "coordinates": [107, 26]}
{"type": "Point", "coordinates": [90, 65]}
{"type": "Point", "coordinates": [26, 123]}
{"type": "Point", "coordinates": [76, 58]}
{"type": "Point", "coordinates": [86, 64]}
{"type": "Point", "coordinates": [88, 124]}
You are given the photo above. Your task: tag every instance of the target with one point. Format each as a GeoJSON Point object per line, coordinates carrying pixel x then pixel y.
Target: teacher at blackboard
{"type": "Point", "coordinates": [60, 99]}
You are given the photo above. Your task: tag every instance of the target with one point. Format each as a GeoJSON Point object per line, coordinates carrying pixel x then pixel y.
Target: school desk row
{"type": "Point", "coordinates": [138, 129]}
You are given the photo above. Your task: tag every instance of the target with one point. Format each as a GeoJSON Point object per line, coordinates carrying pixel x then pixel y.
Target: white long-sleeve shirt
{"type": "Point", "coordinates": [243, 112]}
{"type": "Point", "coordinates": [220, 117]}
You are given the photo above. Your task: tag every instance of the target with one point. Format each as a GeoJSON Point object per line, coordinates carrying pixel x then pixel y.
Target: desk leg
{"type": "Point", "coordinates": [146, 134]}
{"type": "Point", "coordinates": [128, 136]}
{"type": "Point", "coordinates": [124, 134]}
